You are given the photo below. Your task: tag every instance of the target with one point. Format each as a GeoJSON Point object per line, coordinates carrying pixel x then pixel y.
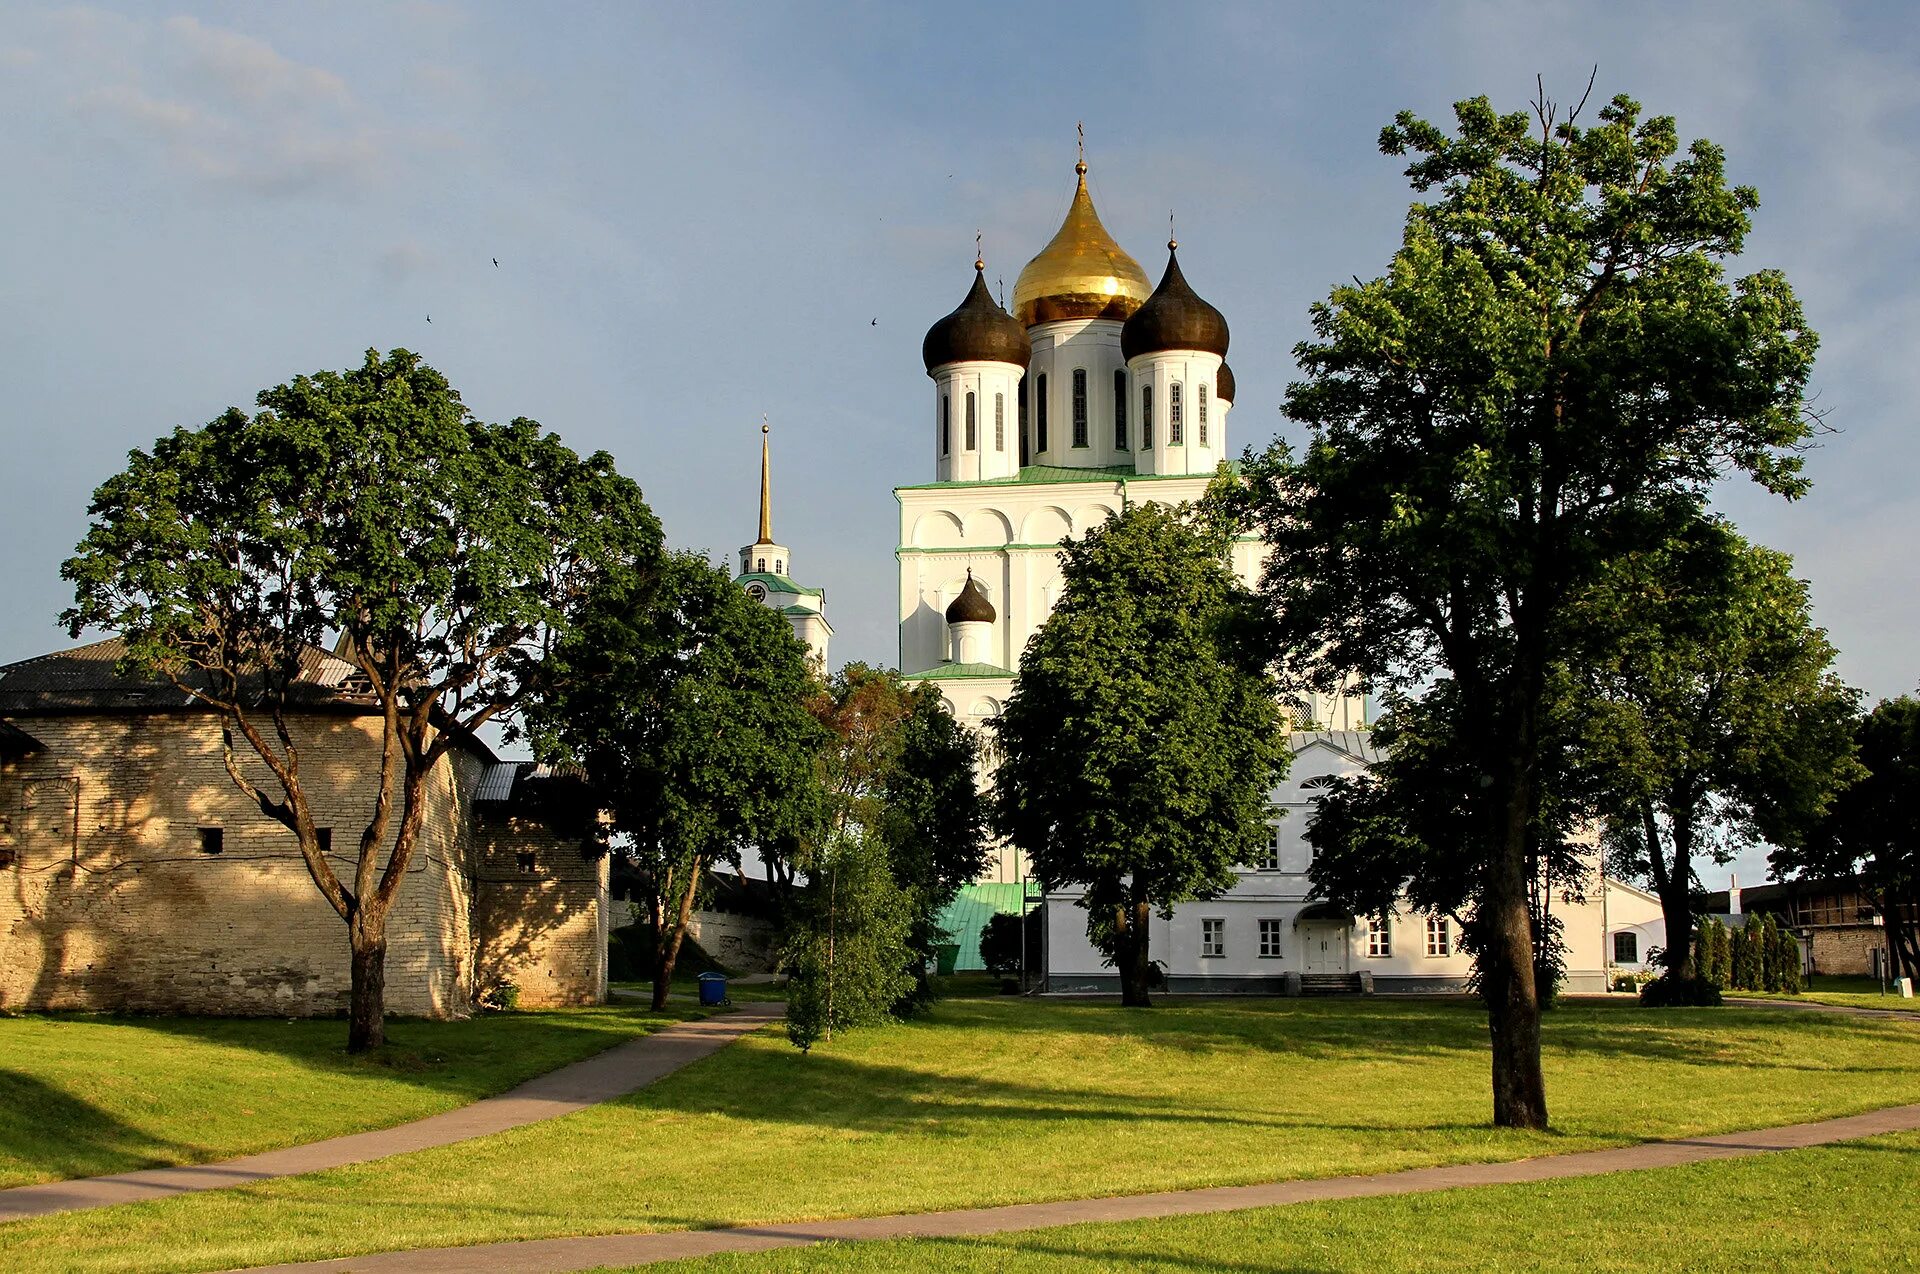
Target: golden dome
{"type": "Point", "coordinates": [1082, 273]}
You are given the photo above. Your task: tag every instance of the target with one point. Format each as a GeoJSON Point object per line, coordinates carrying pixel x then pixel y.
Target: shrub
{"type": "Point", "coordinates": [1670, 992]}
{"type": "Point", "coordinates": [1000, 943]}
{"type": "Point", "coordinates": [501, 997]}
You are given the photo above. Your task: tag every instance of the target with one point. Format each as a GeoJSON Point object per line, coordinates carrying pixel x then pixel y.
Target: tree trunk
{"type": "Point", "coordinates": [367, 1004]}
{"type": "Point", "coordinates": [1136, 961]}
{"type": "Point", "coordinates": [1507, 979]}
{"type": "Point", "coordinates": [666, 941]}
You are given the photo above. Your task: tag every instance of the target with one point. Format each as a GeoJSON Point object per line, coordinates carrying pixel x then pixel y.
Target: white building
{"type": "Point", "coordinates": [765, 572]}
{"type": "Point", "coordinates": [1097, 392]}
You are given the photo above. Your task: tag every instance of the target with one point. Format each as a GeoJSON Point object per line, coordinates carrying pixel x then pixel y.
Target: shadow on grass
{"type": "Point", "coordinates": [61, 1135]}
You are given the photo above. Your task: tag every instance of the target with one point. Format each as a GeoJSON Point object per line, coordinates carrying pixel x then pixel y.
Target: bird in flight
{"type": "Point", "coordinates": [429, 318]}
{"type": "Point", "coordinates": [496, 263]}
{"type": "Point", "coordinates": [875, 323]}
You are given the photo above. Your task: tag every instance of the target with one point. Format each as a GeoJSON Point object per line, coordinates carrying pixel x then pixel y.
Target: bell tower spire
{"type": "Point", "coordinates": [766, 488]}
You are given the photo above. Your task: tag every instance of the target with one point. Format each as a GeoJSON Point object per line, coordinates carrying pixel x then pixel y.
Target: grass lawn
{"type": "Point", "coordinates": [1005, 1100]}
{"type": "Point", "coordinates": [1847, 991]}
{"type": "Point", "coordinates": [84, 1094]}
{"type": "Point", "coordinates": [1832, 1208]}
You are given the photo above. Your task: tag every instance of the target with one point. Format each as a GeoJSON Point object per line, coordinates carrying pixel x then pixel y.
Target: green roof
{"type": "Point", "coordinates": [956, 672]}
{"type": "Point", "coordinates": [780, 582]}
{"type": "Point", "coordinates": [1045, 473]}
{"type": "Point", "coordinates": [968, 914]}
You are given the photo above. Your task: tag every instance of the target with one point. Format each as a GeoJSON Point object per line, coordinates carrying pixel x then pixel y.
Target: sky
{"type": "Point", "coordinates": [704, 213]}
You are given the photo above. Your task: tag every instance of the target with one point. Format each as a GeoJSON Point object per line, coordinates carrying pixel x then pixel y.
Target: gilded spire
{"type": "Point", "coordinates": [766, 488]}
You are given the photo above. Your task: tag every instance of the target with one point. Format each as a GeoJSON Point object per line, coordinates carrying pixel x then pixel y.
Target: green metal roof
{"type": "Point", "coordinates": [957, 672]}
{"type": "Point", "coordinates": [968, 914]}
{"type": "Point", "coordinates": [780, 582]}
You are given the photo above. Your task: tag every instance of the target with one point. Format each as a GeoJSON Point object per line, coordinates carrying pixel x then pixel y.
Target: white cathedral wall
{"type": "Point", "coordinates": [994, 385]}
{"type": "Point", "coordinates": [1059, 349]}
{"type": "Point", "coordinates": [1191, 370]}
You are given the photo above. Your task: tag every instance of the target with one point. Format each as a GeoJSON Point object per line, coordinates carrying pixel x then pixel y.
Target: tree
{"type": "Point", "coordinates": [686, 702]}
{"type": "Point", "coordinates": [1000, 940]}
{"type": "Point", "coordinates": [934, 820]}
{"type": "Point", "coordinates": [1873, 828]}
{"type": "Point", "coordinates": [444, 552]}
{"type": "Point", "coordinates": [1715, 721]}
{"type": "Point", "coordinates": [847, 950]}
{"type": "Point", "coordinates": [1552, 372]}
{"type": "Point", "coordinates": [1143, 735]}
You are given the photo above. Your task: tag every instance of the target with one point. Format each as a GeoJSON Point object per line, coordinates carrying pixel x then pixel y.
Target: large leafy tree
{"type": "Point", "coordinates": [1552, 372]}
{"type": "Point", "coordinates": [1143, 735]}
{"type": "Point", "coordinates": [1713, 719]}
{"type": "Point", "coordinates": [370, 503]}
{"type": "Point", "coordinates": [934, 820]}
{"type": "Point", "coordinates": [686, 702]}
{"type": "Point", "coordinates": [1873, 828]}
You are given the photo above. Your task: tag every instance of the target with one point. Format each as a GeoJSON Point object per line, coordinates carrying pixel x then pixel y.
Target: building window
{"type": "Point", "coordinates": [999, 422]}
{"type": "Point", "coordinates": [1270, 855]}
{"type": "Point", "coordinates": [1203, 415]}
{"type": "Point", "coordinates": [1023, 421]}
{"type": "Point", "coordinates": [1079, 406]}
{"type": "Point", "coordinates": [779, 567]}
{"type": "Point", "coordinates": [1270, 939]}
{"type": "Point", "coordinates": [946, 427]}
{"type": "Point", "coordinates": [212, 840]}
{"type": "Point", "coordinates": [1213, 939]}
{"type": "Point", "coordinates": [1379, 937]}
{"type": "Point", "coordinates": [1120, 410]}
{"type": "Point", "coordinates": [1626, 948]}
{"type": "Point", "coordinates": [1146, 416]}
{"type": "Point", "coordinates": [524, 860]}
{"type": "Point", "coordinates": [323, 837]}
{"type": "Point", "coordinates": [973, 424]}
{"type": "Point", "coordinates": [1040, 414]}
{"type": "Point", "coordinates": [760, 565]}
{"type": "Point", "coordinates": [1439, 940]}
{"type": "Point", "coordinates": [1175, 429]}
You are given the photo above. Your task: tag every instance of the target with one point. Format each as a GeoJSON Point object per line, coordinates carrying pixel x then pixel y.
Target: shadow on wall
{"type": "Point", "coordinates": [537, 923]}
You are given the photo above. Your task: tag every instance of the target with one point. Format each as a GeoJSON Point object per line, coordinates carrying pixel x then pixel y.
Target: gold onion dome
{"type": "Point", "coordinates": [979, 331]}
{"type": "Point", "coordinates": [1082, 273]}
{"type": "Point", "coordinates": [972, 606]}
{"type": "Point", "coordinates": [1174, 318]}
{"type": "Point", "coordinates": [1223, 384]}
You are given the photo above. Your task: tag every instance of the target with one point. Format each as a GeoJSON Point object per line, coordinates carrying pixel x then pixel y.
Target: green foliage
{"type": "Point", "coordinates": [1873, 828]}
{"type": "Point", "coordinates": [1142, 737]}
{"type": "Point", "coordinates": [686, 702]}
{"type": "Point", "coordinates": [1551, 374]}
{"type": "Point", "coordinates": [847, 951]}
{"type": "Point", "coordinates": [1671, 992]}
{"type": "Point", "coordinates": [501, 997]}
{"type": "Point", "coordinates": [1000, 940]}
{"type": "Point", "coordinates": [1747, 948]}
{"type": "Point", "coordinates": [444, 551]}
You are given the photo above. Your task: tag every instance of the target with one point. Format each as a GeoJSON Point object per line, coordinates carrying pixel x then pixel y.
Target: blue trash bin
{"type": "Point", "coordinates": [713, 988]}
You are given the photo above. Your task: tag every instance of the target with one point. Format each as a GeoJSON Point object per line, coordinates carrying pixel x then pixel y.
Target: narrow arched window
{"type": "Point", "coordinates": [999, 422]}
{"type": "Point", "coordinates": [1120, 409]}
{"type": "Point", "coordinates": [779, 567]}
{"type": "Point", "coordinates": [761, 566]}
{"type": "Point", "coordinates": [1040, 414]}
{"type": "Point", "coordinates": [946, 424]}
{"type": "Point", "coordinates": [1175, 427]}
{"type": "Point", "coordinates": [1024, 453]}
{"type": "Point", "coordinates": [1202, 402]}
{"type": "Point", "coordinates": [973, 425]}
{"type": "Point", "coordinates": [1146, 416]}
{"type": "Point", "coordinates": [1079, 406]}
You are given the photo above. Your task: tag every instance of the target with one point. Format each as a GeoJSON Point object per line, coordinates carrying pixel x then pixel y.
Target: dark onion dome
{"type": "Point", "coordinates": [978, 332]}
{"type": "Point", "coordinates": [972, 606]}
{"type": "Point", "coordinates": [1223, 384]}
{"type": "Point", "coordinates": [1174, 318]}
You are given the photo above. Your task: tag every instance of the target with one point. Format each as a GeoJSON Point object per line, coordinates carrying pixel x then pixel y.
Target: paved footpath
{"type": "Point", "coordinates": [614, 1073]}
{"type": "Point", "coordinates": [555, 1256]}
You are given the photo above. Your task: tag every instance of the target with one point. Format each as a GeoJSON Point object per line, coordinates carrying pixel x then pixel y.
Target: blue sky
{"type": "Point", "coordinates": [699, 210]}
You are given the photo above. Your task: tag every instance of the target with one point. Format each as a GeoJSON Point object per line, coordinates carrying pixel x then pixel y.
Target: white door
{"type": "Point", "coordinates": [1325, 947]}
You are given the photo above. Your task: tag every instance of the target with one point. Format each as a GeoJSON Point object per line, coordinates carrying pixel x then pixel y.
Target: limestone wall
{"type": "Point", "coordinates": [111, 902]}
{"type": "Point", "coordinates": [541, 905]}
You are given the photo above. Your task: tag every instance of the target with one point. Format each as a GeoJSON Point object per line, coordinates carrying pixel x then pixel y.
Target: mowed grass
{"type": "Point", "coordinates": [83, 1094]}
{"type": "Point", "coordinates": [1833, 1208]}
{"type": "Point", "coordinates": [1845, 991]}
{"type": "Point", "coordinates": [991, 1101]}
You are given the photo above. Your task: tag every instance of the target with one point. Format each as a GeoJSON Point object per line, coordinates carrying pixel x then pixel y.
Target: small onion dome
{"type": "Point", "coordinates": [1174, 318]}
{"type": "Point", "coordinates": [1223, 384]}
{"type": "Point", "coordinates": [972, 606]}
{"type": "Point", "coordinates": [978, 332]}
